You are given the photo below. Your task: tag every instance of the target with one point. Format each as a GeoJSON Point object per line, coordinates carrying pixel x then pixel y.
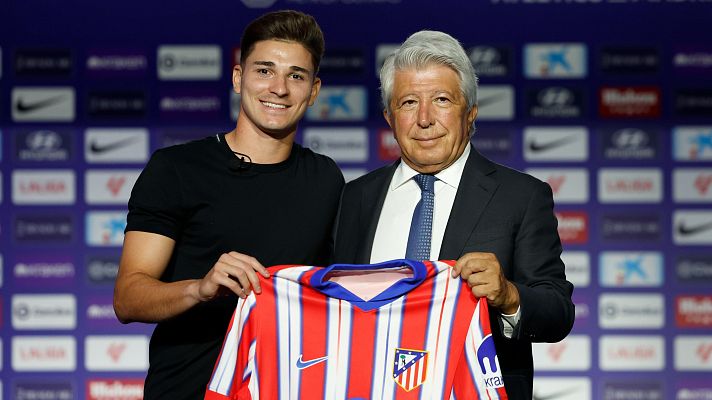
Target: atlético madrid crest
{"type": "Point", "coordinates": [410, 368]}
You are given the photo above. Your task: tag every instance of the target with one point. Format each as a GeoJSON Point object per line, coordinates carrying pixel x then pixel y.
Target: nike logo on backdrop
{"type": "Point", "coordinates": [306, 364]}
{"type": "Point", "coordinates": [25, 107]}
{"type": "Point", "coordinates": [103, 148]}
{"type": "Point", "coordinates": [488, 100]}
{"type": "Point", "coordinates": [687, 230]}
{"type": "Point", "coordinates": [539, 146]}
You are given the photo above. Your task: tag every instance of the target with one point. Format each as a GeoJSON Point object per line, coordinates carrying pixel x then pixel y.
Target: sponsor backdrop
{"type": "Point", "coordinates": [609, 101]}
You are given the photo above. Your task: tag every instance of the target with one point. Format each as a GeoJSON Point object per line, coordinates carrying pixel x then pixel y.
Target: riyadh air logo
{"type": "Point", "coordinates": [555, 60]}
{"type": "Point", "coordinates": [692, 227]}
{"type": "Point", "coordinates": [46, 104]}
{"type": "Point", "coordinates": [410, 368]}
{"type": "Point", "coordinates": [693, 353]}
{"type": "Point", "coordinates": [631, 269]}
{"type": "Point", "coordinates": [556, 143]}
{"type": "Point", "coordinates": [339, 103]}
{"type": "Point", "coordinates": [569, 185]}
{"type": "Point", "coordinates": [692, 143]}
{"type": "Point", "coordinates": [495, 102]}
{"type": "Point", "coordinates": [692, 185]}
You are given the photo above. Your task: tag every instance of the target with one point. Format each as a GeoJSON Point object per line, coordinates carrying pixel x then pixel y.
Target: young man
{"type": "Point", "coordinates": [205, 217]}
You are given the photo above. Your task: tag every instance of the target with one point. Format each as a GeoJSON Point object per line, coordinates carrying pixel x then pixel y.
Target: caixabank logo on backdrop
{"type": "Point", "coordinates": [176, 62]}
{"type": "Point", "coordinates": [339, 103]}
{"type": "Point", "coordinates": [630, 185]}
{"type": "Point", "coordinates": [571, 354]}
{"type": "Point", "coordinates": [43, 270]}
{"type": "Point", "coordinates": [562, 388]}
{"type": "Point", "coordinates": [105, 104]}
{"type": "Point", "coordinates": [631, 353]}
{"type": "Point", "coordinates": [569, 185]}
{"type": "Point", "coordinates": [692, 143]}
{"type": "Point", "coordinates": [43, 228]}
{"type": "Point", "coordinates": [555, 143]}
{"type": "Point", "coordinates": [631, 311]}
{"type": "Point", "coordinates": [105, 228]}
{"type": "Point", "coordinates": [630, 227]}
{"type": "Point", "coordinates": [555, 60]}
{"type": "Point", "coordinates": [693, 311]}
{"type": "Point", "coordinates": [630, 143]}
{"type": "Point", "coordinates": [48, 389]}
{"type": "Point", "coordinates": [44, 353]}
{"type": "Point", "coordinates": [43, 63]}
{"type": "Point", "coordinates": [555, 102]}
{"type": "Point", "coordinates": [114, 389]}
{"type": "Point", "coordinates": [491, 61]}
{"type": "Point", "coordinates": [105, 63]}
{"type": "Point", "coordinates": [43, 145]}
{"type": "Point", "coordinates": [631, 269]}
{"type": "Point", "coordinates": [629, 102]}
{"type": "Point", "coordinates": [629, 60]}
{"type": "Point", "coordinates": [692, 185]}
{"type": "Point", "coordinates": [341, 144]}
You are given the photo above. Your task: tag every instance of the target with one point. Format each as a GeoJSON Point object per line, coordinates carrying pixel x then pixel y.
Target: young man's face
{"type": "Point", "coordinates": [276, 85]}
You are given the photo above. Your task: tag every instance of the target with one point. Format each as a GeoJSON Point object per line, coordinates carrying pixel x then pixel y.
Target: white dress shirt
{"type": "Point", "coordinates": [403, 194]}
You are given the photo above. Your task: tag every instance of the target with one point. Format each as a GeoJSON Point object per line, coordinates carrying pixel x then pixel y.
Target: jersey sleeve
{"type": "Point", "coordinates": [478, 374]}
{"type": "Point", "coordinates": [234, 376]}
{"type": "Point", "coordinates": [155, 202]}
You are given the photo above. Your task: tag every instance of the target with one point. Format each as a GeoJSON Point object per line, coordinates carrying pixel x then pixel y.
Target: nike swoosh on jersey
{"type": "Point", "coordinates": [538, 146]}
{"type": "Point", "coordinates": [306, 364]}
{"type": "Point", "coordinates": [24, 107]}
{"type": "Point", "coordinates": [687, 230]}
{"type": "Point", "coordinates": [103, 148]}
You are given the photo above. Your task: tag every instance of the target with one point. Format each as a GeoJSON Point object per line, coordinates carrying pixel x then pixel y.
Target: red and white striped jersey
{"type": "Point", "coordinates": [305, 337]}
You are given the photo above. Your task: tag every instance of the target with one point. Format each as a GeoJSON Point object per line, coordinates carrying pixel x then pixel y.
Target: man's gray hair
{"type": "Point", "coordinates": [425, 48]}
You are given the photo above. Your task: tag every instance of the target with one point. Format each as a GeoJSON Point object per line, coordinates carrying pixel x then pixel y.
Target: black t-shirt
{"type": "Point", "coordinates": [278, 213]}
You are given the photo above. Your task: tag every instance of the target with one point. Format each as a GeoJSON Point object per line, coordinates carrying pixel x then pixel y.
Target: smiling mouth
{"type": "Point", "coordinates": [273, 105]}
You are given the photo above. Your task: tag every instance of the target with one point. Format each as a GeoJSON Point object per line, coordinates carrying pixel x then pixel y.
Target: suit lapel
{"type": "Point", "coordinates": [474, 193]}
{"type": "Point", "coordinates": [372, 199]}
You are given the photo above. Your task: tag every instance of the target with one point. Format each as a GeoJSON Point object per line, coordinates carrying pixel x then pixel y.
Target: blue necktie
{"type": "Point", "coordinates": [422, 223]}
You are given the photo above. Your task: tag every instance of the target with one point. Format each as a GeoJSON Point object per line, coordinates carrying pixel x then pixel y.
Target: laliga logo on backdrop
{"type": "Point", "coordinates": [258, 3]}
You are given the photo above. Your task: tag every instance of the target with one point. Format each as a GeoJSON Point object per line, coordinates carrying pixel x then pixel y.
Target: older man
{"type": "Point", "coordinates": [443, 200]}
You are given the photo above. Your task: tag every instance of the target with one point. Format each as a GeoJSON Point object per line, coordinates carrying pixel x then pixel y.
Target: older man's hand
{"type": "Point", "coordinates": [484, 276]}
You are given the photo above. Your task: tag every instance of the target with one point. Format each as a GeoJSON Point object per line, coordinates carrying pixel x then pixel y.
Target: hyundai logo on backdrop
{"type": "Point", "coordinates": [555, 102]}
{"type": "Point", "coordinates": [630, 143]}
{"type": "Point", "coordinates": [492, 61]}
{"type": "Point", "coordinates": [44, 145]}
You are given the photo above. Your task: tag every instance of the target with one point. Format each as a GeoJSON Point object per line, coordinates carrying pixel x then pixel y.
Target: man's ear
{"type": "Point", "coordinates": [387, 117]}
{"type": "Point", "coordinates": [472, 115]}
{"type": "Point", "coordinates": [236, 78]}
{"type": "Point", "coordinates": [316, 86]}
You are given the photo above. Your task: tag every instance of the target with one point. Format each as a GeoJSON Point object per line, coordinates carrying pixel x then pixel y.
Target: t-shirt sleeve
{"type": "Point", "coordinates": [155, 202]}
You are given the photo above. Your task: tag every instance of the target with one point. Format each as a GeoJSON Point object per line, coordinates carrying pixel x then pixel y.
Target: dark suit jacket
{"type": "Point", "coordinates": [496, 210]}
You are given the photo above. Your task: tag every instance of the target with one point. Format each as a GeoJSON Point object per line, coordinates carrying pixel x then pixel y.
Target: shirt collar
{"type": "Point", "coordinates": [450, 175]}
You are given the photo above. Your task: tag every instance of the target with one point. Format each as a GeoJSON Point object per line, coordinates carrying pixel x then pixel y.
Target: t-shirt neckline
{"type": "Point", "coordinates": [255, 167]}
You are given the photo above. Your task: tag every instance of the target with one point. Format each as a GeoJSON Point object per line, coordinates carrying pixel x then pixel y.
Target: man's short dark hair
{"type": "Point", "coordinates": [286, 25]}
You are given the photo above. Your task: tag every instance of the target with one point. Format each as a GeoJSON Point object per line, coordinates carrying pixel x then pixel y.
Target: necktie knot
{"type": "Point", "coordinates": [426, 182]}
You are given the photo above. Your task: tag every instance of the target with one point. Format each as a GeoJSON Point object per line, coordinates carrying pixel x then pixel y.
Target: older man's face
{"type": "Point", "coordinates": [429, 117]}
